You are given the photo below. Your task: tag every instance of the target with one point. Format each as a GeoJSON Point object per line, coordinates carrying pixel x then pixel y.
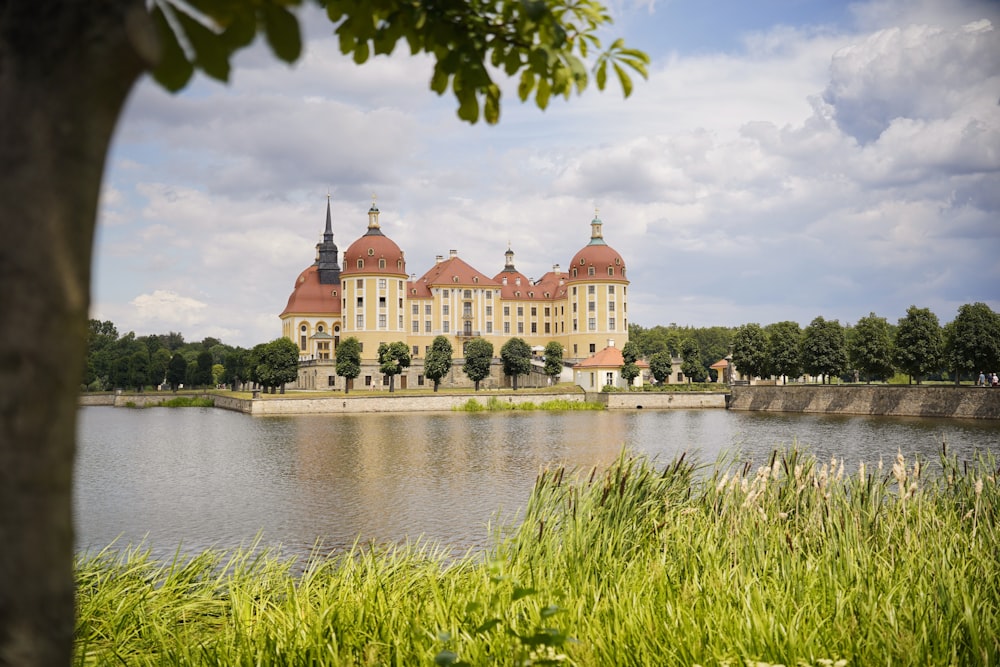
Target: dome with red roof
{"type": "Point", "coordinates": [374, 252]}
{"type": "Point", "coordinates": [310, 296]}
{"type": "Point", "coordinates": [597, 255]}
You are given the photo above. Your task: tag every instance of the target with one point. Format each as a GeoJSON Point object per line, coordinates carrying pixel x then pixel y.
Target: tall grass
{"type": "Point", "coordinates": [792, 562]}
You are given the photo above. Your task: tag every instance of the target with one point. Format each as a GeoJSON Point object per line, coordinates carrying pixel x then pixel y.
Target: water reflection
{"type": "Point", "coordinates": [196, 478]}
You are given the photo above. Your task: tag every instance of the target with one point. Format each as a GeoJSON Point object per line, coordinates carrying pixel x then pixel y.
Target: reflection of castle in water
{"type": "Point", "coordinates": [374, 299]}
{"type": "Point", "coordinates": [365, 471]}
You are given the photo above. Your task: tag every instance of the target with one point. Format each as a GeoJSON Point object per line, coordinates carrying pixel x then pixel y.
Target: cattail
{"type": "Point", "coordinates": [722, 484]}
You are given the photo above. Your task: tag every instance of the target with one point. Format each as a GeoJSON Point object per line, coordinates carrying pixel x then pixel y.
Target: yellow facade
{"type": "Point", "coordinates": [585, 308]}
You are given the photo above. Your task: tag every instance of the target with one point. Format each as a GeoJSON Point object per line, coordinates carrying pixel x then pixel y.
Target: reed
{"type": "Point", "coordinates": [789, 561]}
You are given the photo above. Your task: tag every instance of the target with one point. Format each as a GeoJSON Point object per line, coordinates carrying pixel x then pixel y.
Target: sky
{"type": "Point", "coordinates": [785, 159]}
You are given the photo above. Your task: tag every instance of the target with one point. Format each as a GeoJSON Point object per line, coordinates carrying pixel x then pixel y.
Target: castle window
{"type": "Point", "coordinates": [611, 289]}
{"type": "Point", "coordinates": [399, 285]}
{"type": "Point", "coordinates": [506, 311]}
{"type": "Point", "coordinates": [534, 328]}
{"type": "Point", "coordinates": [574, 291]}
{"type": "Point", "coordinates": [574, 272]}
{"type": "Point", "coordinates": [427, 309]}
{"type": "Point", "coordinates": [416, 351]}
{"type": "Point", "coordinates": [591, 306]}
{"type": "Point", "coordinates": [454, 279]}
{"type": "Point", "coordinates": [592, 324]}
{"type": "Point", "coordinates": [489, 311]}
{"type": "Point", "coordinates": [381, 302]}
{"type": "Point", "coordinates": [520, 327]}
{"type": "Point", "coordinates": [444, 293]}
{"type": "Point", "coordinates": [590, 271]}
{"type": "Point", "coordinates": [475, 279]}
{"type": "Point", "coordinates": [611, 323]}
{"type": "Point", "coordinates": [360, 282]}
{"type": "Point", "coordinates": [371, 252]}
{"type": "Point", "coordinates": [591, 289]}
{"type": "Point", "coordinates": [444, 326]}
{"type": "Point", "coordinates": [381, 321]}
{"type": "Point", "coordinates": [416, 326]}
{"type": "Point", "coordinates": [360, 323]}
{"type": "Point", "coordinates": [361, 302]}
{"type": "Point", "coordinates": [520, 311]}
{"type": "Point", "coordinates": [444, 309]}
{"type": "Point", "coordinates": [381, 283]}
{"type": "Point", "coordinates": [361, 265]}
{"type": "Point", "coordinates": [303, 328]}
{"type": "Point", "coordinates": [618, 261]}
{"type": "Point", "coordinates": [467, 294]}
{"type": "Point", "coordinates": [381, 264]}
{"type": "Point", "coordinates": [611, 270]}
{"type": "Point", "coordinates": [489, 295]}
{"type": "Point", "coordinates": [574, 325]}
{"type": "Point", "coordinates": [547, 328]}
{"type": "Point", "coordinates": [611, 306]}
{"type": "Point", "coordinates": [581, 261]}
{"type": "Point", "coordinates": [489, 327]}
{"type": "Point", "coordinates": [415, 309]}
{"type": "Point", "coordinates": [302, 343]}
{"type": "Point", "coordinates": [506, 327]}
{"type": "Point", "coordinates": [427, 326]}
{"type": "Point", "coordinates": [320, 328]}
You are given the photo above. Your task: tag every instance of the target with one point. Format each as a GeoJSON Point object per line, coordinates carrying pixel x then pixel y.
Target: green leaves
{"type": "Point", "coordinates": [204, 35]}
{"type": "Point", "coordinates": [543, 42]}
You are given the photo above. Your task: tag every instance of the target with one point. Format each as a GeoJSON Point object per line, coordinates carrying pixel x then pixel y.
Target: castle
{"type": "Point", "coordinates": [372, 298]}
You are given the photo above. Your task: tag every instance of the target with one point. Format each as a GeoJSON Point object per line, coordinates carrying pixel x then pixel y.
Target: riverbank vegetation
{"type": "Point", "coordinates": [498, 404]}
{"type": "Point", "coordinates": [789, 561]}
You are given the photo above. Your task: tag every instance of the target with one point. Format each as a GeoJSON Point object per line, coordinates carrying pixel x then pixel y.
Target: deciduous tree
{"type": "Point", "coordinates": [784, 344]}
{"type": "Point", "coordinates": [478, 360]}
{"type": "Point", "coordinates": [824, 348]}
{"type": "Point", "coordinates": [691, 364]}
{"type": "Point", "coordinates": [750, 351]}
{"type": "Point", "coordinates": [437, 364]}
{"type": "Point", "coordinates": [516, 357]}
{"type": "Point", "coordinates": [393, 358]}
{"type": "Point", "coordinates": [348, 364]}
{"type": "Point", "coordinates": [919, 343]}
{"type": "Point", "coordinates": [869, 348]}
{"type": "Point", "coordinates": [629, 370]}
{"type": "Point", "coordinates": [661, 365]}
{"type": "Point", "coordinates": [972, 340]}
{"type": "Point", "coordinates": [553, 360]}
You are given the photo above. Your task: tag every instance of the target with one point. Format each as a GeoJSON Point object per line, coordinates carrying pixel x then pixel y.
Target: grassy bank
{"type": "Point", "coordinates": [496, 404]}
{"type": "Point", "coordinates": [793, 562]}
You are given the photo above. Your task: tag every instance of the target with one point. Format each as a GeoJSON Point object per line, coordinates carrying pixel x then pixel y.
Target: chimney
{"type": "Point", "coordinates": [555, 268]}
{"type": "Point", "coordinates": [505, 280]}
{"type": "Point", "coordinates": [517, 280]}
{"type": "Point", "coordinates": [611, 342]}
{"type": "Point", "coordinates": [438, 259]}
{"type": "Point", "coordinates": [452, 254]}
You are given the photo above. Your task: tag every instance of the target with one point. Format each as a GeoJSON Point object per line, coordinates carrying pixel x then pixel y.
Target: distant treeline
{"type": "Point", "coordinates": [168, 361]}
{"type": "Point", "coordinates": [917, 346]}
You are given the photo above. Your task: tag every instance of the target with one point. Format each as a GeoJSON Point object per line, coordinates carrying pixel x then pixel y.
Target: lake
{"type": "Point", "coordinates": [192, 478]}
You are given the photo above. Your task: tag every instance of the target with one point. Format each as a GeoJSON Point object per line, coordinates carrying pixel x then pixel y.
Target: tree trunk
{"type": "Point", "coordinates": [65, 71]}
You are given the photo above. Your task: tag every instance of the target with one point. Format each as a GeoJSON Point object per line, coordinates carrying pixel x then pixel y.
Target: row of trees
{"type": "Point", "coordinates": [873, 349]}
{"type": "Point", "coordinates": [137, 362]}
{"type": "Point", "coordinates": [393, 358]}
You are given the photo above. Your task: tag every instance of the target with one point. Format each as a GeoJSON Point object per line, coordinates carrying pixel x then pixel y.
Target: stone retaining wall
{"type": "Point", "coordinates": [662, 400]}
{"type": "Point", "coordinates": [891, 400]}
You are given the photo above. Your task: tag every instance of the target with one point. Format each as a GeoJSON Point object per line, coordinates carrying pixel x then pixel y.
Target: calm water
{"type": "Point", "coordinates": [197, 477]}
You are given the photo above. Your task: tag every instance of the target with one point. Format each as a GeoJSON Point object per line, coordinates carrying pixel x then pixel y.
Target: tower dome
{"type": "Point", "coordinates": [596, 259]}
{"type": "Point", "coordinates": [374, 252]}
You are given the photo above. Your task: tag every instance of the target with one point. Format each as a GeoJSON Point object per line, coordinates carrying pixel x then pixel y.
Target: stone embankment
{"type": "Point", "coordinates": [889, 400]}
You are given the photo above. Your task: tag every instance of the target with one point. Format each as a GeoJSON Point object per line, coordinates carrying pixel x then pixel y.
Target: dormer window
{"type": "Point", "coordinates": [381, 264]}
{"type": "Point", "coordinates": [611, 270]}
{"type": "Point", "coordinates": [361, 263]}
